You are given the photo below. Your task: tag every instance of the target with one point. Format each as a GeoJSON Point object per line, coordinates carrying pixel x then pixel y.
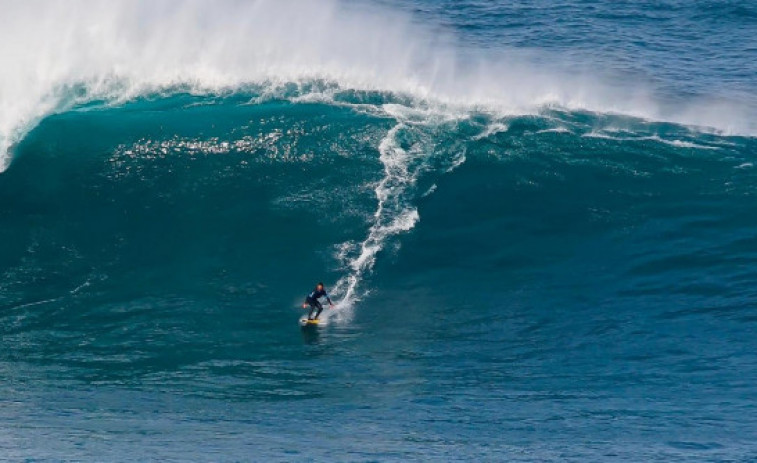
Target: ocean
{"type": "Point", "coordinates": [537, 221]}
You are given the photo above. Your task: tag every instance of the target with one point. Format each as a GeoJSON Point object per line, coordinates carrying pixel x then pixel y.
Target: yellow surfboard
{"type": "Point", "coordinates": [305, 322]}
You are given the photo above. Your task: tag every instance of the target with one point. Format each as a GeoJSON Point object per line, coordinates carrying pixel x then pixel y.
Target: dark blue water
{"type": "Point", "coordinates": [558, 284]}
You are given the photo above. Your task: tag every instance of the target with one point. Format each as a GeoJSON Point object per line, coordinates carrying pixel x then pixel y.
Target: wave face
{"type": "Point", "coordinates": [532, 262]}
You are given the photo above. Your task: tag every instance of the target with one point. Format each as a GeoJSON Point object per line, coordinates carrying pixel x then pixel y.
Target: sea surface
{"type": "Point", "coordinates": [538, 221]}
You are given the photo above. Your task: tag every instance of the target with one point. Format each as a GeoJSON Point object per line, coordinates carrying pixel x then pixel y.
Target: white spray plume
{"type": "Point", "coordinates": [58, 53]}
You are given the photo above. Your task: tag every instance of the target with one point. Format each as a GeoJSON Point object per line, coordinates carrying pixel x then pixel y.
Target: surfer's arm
{"type": "Point", "coordinates": [329, 299]}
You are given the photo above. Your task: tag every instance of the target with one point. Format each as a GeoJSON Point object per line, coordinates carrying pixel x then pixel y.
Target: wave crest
{"type": "Point", "coordinates": [62, 53]}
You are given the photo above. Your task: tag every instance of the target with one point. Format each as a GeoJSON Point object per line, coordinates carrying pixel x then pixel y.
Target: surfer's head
{"type": "Point", "coordinates": [319, 286]}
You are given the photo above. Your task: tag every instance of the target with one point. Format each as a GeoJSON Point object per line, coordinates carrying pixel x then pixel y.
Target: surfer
{"type": "Point", "coordinates": [315, 305]}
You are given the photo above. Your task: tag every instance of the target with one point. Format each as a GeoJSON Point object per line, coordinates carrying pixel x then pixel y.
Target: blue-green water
{"type": "Point", "coordinates": [565, 279]}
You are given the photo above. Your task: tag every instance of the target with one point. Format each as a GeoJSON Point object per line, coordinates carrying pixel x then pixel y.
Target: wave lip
{"type": "Point", "coordinates": [64, 53]}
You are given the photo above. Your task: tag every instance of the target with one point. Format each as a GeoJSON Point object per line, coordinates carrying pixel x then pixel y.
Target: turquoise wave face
{"type": "Point", "coordinates": [566, 266]}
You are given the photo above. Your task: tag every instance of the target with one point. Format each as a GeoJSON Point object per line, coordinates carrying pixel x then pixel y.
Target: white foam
{"type": "Point", "coordinates": [59, 53]}
{"type": "Point", "coordinates": [605, 134]}
{"type": "Point", "coordinates": [681, 143]}
{"type": "Point", "coordinates": [601, 135]}
{"type": "Point", "coordinates": [492, 129]}
{"type": "Point", "coordinates": [554, 130]}
{"type": "Point", "coordinates": [393, 215]}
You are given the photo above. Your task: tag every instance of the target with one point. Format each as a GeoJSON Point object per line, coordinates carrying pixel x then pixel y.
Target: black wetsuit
{"type": "Point", "coordinates": [312, 299]}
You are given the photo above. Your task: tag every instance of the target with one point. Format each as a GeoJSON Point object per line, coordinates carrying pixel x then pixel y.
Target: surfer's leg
{"type": "Point", "coordinates": [312, 309]}
{"type": "Point", "coordinates": [320, 309]}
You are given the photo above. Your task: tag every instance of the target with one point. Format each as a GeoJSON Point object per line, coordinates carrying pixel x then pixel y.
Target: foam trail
{"type": "Point", "coordinates": [393, 215]}
{"type": "Point", "coordinates": [59, 53]}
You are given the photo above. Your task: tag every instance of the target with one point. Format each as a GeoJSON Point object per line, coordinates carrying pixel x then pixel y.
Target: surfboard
{"type": "Point", "coordinates": [304, 322]}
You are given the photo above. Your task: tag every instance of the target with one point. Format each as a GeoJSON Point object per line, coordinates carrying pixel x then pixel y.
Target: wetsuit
{"type": "Point", "coordinates": [312, 299]}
